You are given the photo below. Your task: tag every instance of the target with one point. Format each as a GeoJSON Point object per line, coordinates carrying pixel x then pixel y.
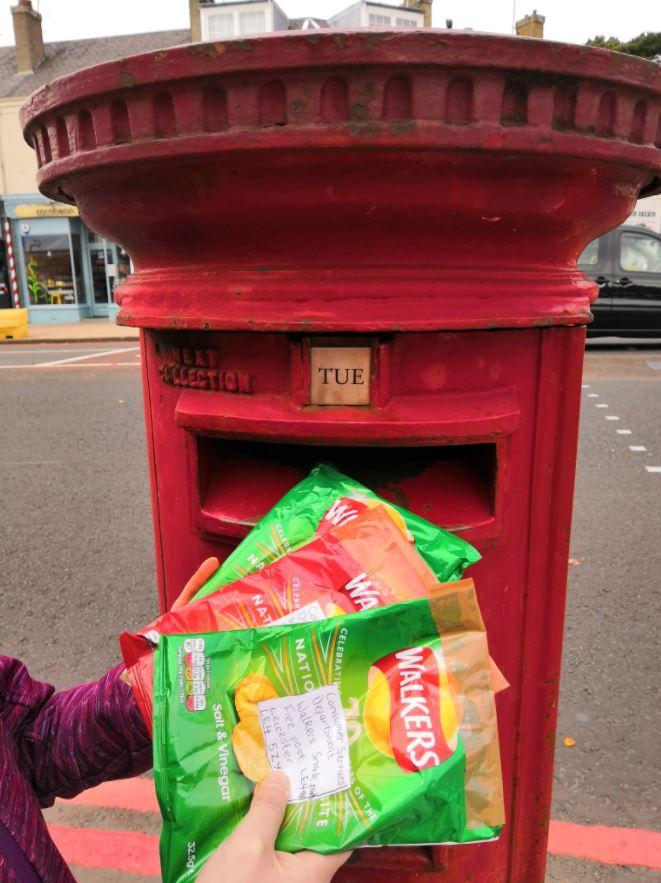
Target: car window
{"type": "Point", "coordinates": [590, 256]}
{"type": "Point", "coordinates": [640, 253]}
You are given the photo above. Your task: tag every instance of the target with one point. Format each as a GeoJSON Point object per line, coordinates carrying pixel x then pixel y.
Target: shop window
{"type": "Point", "coordinates": [98, 259]}
{"type": "Point", "coordinates": [122, 268]}
{"type": "Point", "coordinates": [76, 251]}
{"type": "Point", "coordinates": [49, 270]}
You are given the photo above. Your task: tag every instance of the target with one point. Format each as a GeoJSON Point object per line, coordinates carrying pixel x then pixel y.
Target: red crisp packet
{"type": "Point", "coordinates": [364, 560]}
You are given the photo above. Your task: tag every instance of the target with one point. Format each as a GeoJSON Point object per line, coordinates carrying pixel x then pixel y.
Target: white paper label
{"type": "Point", "coordinates": [313, 612]}
{"type": "Point", "coordinates": [306, 736]}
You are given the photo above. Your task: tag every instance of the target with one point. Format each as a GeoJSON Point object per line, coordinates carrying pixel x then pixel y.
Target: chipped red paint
{"type": "Point", "coordinates": [422, 194]}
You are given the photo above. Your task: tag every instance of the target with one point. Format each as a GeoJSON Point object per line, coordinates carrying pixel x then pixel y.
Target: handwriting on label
{"type": "Point", "coordinates": [340, 375]}
{"type": "Point", "coordinates": [306, 736]}
{"type": "Point", "coordinates": [199, 368]}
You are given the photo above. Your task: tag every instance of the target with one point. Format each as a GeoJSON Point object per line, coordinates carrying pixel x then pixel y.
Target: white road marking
{"type": "Point", "coordinates": [90, 356]}
{"type": "Point", "coordinates": [585, 386]}
{"type": "Point", "coordinates": [27, 350]}
{"type": "Point", "coordinates": [623, 431]}
{"type": "Point", "coordinates": [611, 417]}
{"type": "Point", "coordinates": [656, 366]}
{"type": "Point", "coordinates": [87, 366]}
{"type": "Point", "coordinates": [637, 448]}
{"type": "Point", "coordinates": [593, 395]}
{"type": "Point", "coordinates": [601, 405]}
{"type": "Point", "coordinates": [653, 468]}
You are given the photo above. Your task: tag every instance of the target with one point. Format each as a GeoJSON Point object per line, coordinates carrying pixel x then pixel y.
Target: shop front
{"type": "Point", "coordinates": [64, 271]}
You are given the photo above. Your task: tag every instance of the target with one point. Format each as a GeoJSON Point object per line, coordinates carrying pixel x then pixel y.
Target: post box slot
{"type": "Point", "coordinates": [453, 486]}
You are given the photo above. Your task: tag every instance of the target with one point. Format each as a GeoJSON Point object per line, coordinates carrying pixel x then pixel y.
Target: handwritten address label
{"type": "Point", "coordinates": [306, 736]}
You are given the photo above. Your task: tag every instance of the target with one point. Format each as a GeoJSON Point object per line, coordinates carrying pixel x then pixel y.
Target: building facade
{"type": "Point", "coordinates": [227, 19]}
{"type": "Point", "coordinates": [378, 15]}
{"type": "Point", "coordinates": [50, 262]}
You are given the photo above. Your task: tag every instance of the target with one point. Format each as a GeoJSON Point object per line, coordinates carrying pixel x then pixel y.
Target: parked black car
{"type": "Point", "coordinates": [626, 264]}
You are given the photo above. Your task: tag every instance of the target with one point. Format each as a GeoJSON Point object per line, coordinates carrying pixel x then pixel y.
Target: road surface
{"type": "Point", "coordinates": [77, 563]}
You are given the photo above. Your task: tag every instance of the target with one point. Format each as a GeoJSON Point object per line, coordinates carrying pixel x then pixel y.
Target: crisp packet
{"type": "Point", "coordinates": [364, 561]}
{"type": "Point", "coordinates": [384, 722]}
{"type": "Point", "coordinates": [327, 496]}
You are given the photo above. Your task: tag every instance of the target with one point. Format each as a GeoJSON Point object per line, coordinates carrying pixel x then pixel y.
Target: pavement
{"type": "Point", "coordinates": [69, 332]}
{"type": "Point", "coordinates": [77, 559]}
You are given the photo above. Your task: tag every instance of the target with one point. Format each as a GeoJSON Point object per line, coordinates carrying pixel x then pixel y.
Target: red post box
{"type": "Point", "coordinates": [361, 247]}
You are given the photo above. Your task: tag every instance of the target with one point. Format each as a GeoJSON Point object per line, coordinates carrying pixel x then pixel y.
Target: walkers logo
{"type": "Point", "coordinates": [346, 509]}
{"type": "Point", "coordinates": [364, 593]}
{"type": "Point", "coordinates": [193, 675]}
{"type": "Point", "coordinates": [409, 710]}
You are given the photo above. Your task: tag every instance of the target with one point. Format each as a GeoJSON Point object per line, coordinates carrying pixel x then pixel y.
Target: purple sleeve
{"type": "Point", "coordinates": [69, 741]}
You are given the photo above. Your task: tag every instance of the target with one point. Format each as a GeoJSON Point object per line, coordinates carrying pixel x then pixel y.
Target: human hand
{"type": "Point", "coordinates": [195, 583]}
{"type": "Point", "coordinates": [249, 853]}
{"type": "Point", "coordinates": [192, 587]}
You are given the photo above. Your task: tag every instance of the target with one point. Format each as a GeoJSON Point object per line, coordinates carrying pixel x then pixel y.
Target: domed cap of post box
{"type": "Point", "coordinates": [354, 181]}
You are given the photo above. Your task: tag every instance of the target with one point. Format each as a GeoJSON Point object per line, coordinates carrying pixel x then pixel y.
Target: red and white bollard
{"type": "Point", "coordinates": [12, 265]}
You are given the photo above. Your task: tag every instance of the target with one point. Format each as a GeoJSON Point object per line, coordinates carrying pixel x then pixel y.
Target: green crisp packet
{"type": "Point", "coordinates": [328, 494]}
{"type": "Point", "coordinates": [384, 722]}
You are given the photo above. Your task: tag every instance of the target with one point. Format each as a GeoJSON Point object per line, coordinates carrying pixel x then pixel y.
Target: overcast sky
{"type": "Point", "coordinates": [573, 21]}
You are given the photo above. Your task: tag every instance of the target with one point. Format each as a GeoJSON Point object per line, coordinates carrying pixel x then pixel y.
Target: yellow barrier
{"type": "Point", "coordinates": [13, 324]}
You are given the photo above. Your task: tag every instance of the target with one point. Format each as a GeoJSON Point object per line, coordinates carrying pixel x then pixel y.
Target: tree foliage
{"type": "Point", "coordinates": [646, 45]}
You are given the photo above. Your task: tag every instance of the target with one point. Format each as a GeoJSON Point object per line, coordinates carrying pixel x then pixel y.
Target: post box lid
{"type": "Point", "coordinates": [250, 179]}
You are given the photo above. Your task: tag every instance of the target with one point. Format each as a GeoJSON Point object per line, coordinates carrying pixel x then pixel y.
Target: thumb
{"type": "Point", "coordinates": [268, 807]}
{"type": "Point", "coordinates": [204, 572]}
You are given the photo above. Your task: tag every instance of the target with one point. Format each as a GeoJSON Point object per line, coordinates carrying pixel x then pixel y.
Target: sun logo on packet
{"type": "Point", "coordinates": [192, 674]}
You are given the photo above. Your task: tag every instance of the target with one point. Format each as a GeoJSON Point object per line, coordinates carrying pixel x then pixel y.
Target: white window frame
{"type": "Point", "coordinates": [236, 10]}
{"type": "Point", "coordinates": [405, 22]}
{"type": "Point", "coordinates": [228, 16]}
{"type": "Point", "coordinates": [253, 13]}
{"type": "Point", "coordinates": [386, 20]}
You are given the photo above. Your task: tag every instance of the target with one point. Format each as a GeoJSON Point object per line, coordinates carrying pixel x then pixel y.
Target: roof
{"type": "Point", "coordinates": [396, 7]}
{"type": "Point", "coordinates": [306, 23]}
{"type": "Point", "coordinates": [71, 55]}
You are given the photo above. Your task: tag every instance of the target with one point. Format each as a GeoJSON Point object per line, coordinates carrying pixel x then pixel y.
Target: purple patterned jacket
{"type": "Point", "coordinates": [56, 745]}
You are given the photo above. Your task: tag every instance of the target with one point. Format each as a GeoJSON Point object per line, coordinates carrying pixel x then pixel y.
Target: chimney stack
{"type": "Point", "coordinates": [424, 6]}
{"type": "Point", "coordinates": [29, 39]}
{"type": "Point", "coordinates": [195, 23]}
{"type": "Point", "coordinates": [531, 26]}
